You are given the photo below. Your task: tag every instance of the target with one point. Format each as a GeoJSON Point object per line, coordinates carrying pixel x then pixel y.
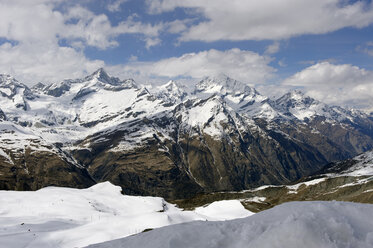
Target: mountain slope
{"type": "Point", "coordinates": [223, 135]}
{"type": "Point", "coordinates": [28, 162]}
{"type": "Point", "coordinates": [349, 180]}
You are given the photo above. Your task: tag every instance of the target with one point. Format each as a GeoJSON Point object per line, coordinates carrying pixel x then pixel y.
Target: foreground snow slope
{"type": "Point", "coordinates": [65, 217]}
{"type": "Point", "coordinates": [291, 225]}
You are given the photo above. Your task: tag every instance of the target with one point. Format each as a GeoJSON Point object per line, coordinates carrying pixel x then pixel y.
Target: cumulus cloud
{"type": "Point", "coordinates": [45, 63]}
{"type": "Point", "coordinates": [273, 48]}
{"type": "Point", "coordinates": [366, 48]}
{"type": "Point", "coordinates": [45, 39]}
{"type": "Point", "coordinates": [243, 65]}
{"type": "Point", "coordinates": [114, 6]}
{"type": "Point", "coordinates": [336, 84]}
{"type": "Point", "coordinates": [267, 19]}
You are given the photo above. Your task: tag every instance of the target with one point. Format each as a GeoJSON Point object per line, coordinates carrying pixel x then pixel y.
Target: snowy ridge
{"type": "Point", "coordinates": [171, 92]}
{"type": "Point", "coordinates": [86, 106]}
{"type": "Point", "coordinates": [240, 96]}
{"type": "Point", "coordinates": [302, 107]}
{"type": "Point", "coordinates": [363, 166]}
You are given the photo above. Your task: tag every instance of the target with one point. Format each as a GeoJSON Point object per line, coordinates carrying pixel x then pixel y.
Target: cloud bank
{"type": "Point", "coordinates": [49, 45]}
{"type": "Point", "coordinates": [267, 19]}
{"type": "Point", "coordinates": [243, 65]}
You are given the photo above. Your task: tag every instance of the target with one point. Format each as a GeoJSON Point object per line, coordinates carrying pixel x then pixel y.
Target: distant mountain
{"type": "Point", "coordinates": [170, 141]}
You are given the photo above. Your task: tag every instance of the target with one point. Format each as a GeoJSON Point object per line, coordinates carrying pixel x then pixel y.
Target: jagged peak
{"type": "Point", "coordinates": [296, 96]}
{"type": "Point", "coordinates": [101, 75]}
{"type": "Point", "coordinates": [7, 80]}
{"type": "Point", "coordinates": [170, 85]}
{"type": "Point", "coordinates": [11, 87]}
{"type": "Point", "coordinates": [6, 77]}
{"type": "Point", "coordinates": [130, 83]}
{"type": "Point", "coordinates": [143, 91]}
{"type": "Point", "coordinates": [223, 84]}
{"type": "Point", "coordinates": [39, 86]}
{"type": "Point", "coordinates": [100, 71]}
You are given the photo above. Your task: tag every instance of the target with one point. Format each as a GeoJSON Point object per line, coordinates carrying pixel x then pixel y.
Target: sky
{"type": "Point", "coordinates": [323, 47]}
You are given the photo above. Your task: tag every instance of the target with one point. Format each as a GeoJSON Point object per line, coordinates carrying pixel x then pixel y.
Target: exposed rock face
{"type": "Point", "coordinates": [32, 170]}
{"type": "Point", "coordinates": [27, 162]}
{"type": "Point", "coordinates": [349, 180]}
{"type": "Point", "coordinates": [221, 136]}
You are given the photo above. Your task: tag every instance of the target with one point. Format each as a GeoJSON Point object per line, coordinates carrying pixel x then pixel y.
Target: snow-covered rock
{"type": "Point", "coordinates": [171, 92]}
{"type": "Point", "coordinates": [361, 165]}
{"type": "Point", "coordinates": [240, 96]}
{"type": "Point", "coordinates": [298, 105]}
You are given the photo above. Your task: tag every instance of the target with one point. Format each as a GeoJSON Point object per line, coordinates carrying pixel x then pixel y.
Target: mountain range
{"type": "Point", "coordinates": [168, 140]}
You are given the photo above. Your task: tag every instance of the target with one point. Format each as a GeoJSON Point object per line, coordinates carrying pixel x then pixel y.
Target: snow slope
{"type": "Point", "coordinates": [363, 167]}
{"type": "Point", "coordinates": [291, 225]}
{"type": "Point", "coordinates": [65, 217]}
{"type": "Point", "coordinates": [298, 105]}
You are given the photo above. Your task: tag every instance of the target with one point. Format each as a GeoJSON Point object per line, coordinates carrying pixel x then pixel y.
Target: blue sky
{"type": "Point", "coordinates": [324, 47]}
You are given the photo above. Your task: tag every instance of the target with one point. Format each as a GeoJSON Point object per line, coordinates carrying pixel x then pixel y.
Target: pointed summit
{"type": "Point", "coordinates": [297, 104]}
{"type": "Point", "coordinates": [171, 92]}
{"type": "Point", "coordinates": [10, 87]}
{"type": "Point", "coordinates": [9, 81]}
{"type": "Point", "coordinates": [101, 75]}
{"type": "Point", "coordinates": [296, 98]}
{"type": "Point", "coordinates": [223, 84]}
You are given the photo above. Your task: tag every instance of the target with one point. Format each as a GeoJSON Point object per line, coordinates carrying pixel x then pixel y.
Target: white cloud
{"type": "Point", "coordinates": [336, 84]}
{"type": "Point", "coordinates": [115, 5]}
{"type": "Point", "coordinates": [366, 48]}
{"type": "Point", "coordinates": [273, 48]}
{"type": "Point", "coordinates": [149, 42]}
{"type": "Point", "coordinates": [243, 65]}
{"type": "Point", "coordinates": [44, 43]}
{"type": "Point", "coordinates": [267, 19]}
{"type": "Point", "coordinates": [97, 31]}
{"type": "Point", "coordinates": [47, 63]}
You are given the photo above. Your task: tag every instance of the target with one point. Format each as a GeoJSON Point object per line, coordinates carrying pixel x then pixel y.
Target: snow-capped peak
{"type": "Point", "coordinates": [171, 92]}
{"type": "Point", "coordinates": [170, 86]}
{"type": "Point", "coordinates": [10, 83]}
{"type": "Point", "coordinates": [6, 79]}
{"type": "Point", "coordinates": [102, 77]}
{"type": "Point", "coordinates": [296, 98]}
{"type": "Point", "coordinates": [223, 85]}
{"type": "Point", "coordinates": [303, 107]}
{"type": "Point", "coordinates": [13, 94]}
{"type": "Point", "coordinates": [97, 80]}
